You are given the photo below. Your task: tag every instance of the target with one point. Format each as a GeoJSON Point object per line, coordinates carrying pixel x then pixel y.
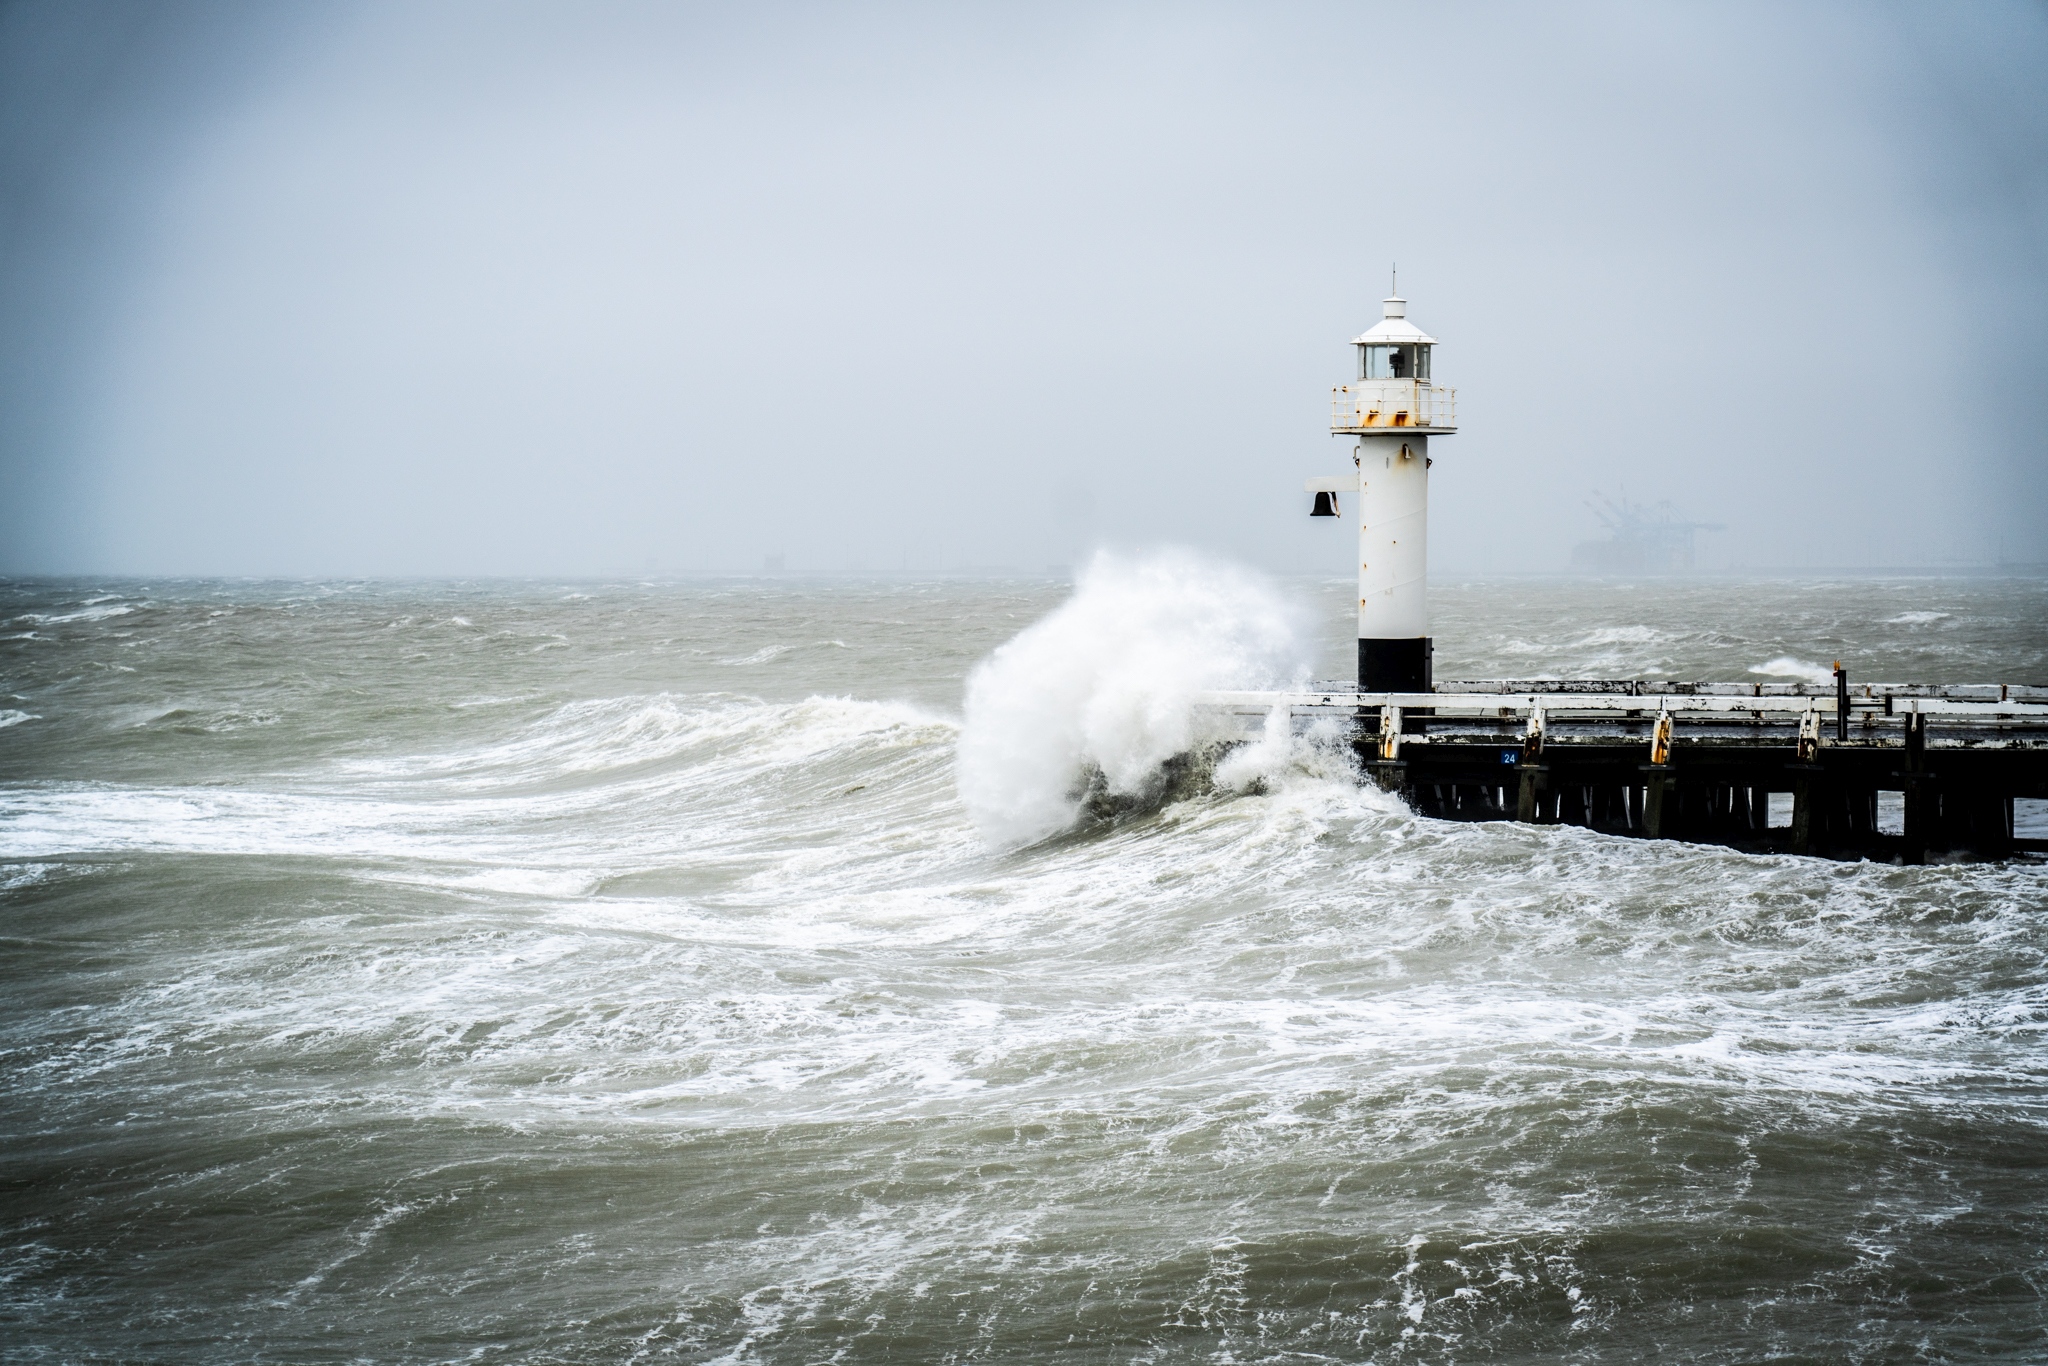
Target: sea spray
{"type": "Point", "coordinates": [1786, 666]}
{"type": "Point", "coordinates": [1321, 752]}
{"type": "Point", "coordinates": [1102, 690]}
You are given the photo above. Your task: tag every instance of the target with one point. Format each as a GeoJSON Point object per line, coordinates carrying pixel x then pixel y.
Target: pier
{"type": "Point", "coordinates": [1715, 762]}
{"type": "Point", "coordinates": [1765, 767]}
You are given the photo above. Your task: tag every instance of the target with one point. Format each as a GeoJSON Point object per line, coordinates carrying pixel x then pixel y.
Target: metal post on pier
{"type": "Point", "coordinates": [1658, 797]}
{"type": "Point", "coordinates": [1390, 772]}
{"type": "Point", "coordinates": [1533, 789]}
{"type": "Point", "coordinates": [1920, 800]}
{"type": "Point", "coordinates": [1806, 774]}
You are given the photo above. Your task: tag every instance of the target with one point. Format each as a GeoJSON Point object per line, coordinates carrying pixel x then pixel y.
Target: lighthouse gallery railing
{"type": "Point", "coordinates": [1382, 405]}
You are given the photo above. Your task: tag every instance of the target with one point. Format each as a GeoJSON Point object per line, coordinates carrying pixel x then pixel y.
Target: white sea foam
{"type": "Point", "coordinates": [600, 735]}
{"type": "Point", "coordinates": [1106, 684]}
{"type": "Point", "coordinates": [546, 882]}
{"type": "Point", "coordinates": [10, 716]}
{"type": "Point", "coordinates": [1785, 666]}
{"type": "Point", "coordinates": [14, 875]}
{"type": "Point", "coordinates": [1917, 618]}
{"type": "Point", "coordinates": [99, 613]}
{"type": "Point", "coordinates": [1619, 635]}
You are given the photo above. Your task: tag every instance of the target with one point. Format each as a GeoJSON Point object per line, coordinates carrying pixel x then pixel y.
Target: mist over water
{"type": "Point", "coordinates": [635, 971]}
{"type": "Point", "coordinates": [393, 289]}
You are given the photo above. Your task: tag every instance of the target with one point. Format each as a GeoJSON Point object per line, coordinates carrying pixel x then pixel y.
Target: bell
{"type": "Point", "coordinates": [1326, 505]}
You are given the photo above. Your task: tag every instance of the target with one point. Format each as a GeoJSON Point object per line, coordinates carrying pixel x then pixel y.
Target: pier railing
{"type": "Point", "coordinates": [1767, 767]}
{"type": "Point", "coordinates": [1628, 694]}
{"type": "Point", "coordinates": [1598, 710]}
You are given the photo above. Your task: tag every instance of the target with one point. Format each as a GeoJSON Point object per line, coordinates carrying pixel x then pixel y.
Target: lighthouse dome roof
{"type": "Point", "coordinates": [1394, 329]}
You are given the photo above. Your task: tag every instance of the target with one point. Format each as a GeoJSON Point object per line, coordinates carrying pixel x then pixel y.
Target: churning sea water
{"type": "Point", "coordinates": [627, 971]}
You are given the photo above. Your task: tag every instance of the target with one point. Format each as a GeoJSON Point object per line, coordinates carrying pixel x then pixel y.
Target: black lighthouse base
{"type": "Point", "coordinates": [1401, 665]}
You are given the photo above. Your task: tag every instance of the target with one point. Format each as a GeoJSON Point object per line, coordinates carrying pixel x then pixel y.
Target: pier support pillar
{"type": "Point", "coordinates": [1759, 810]}
{"type": "Point", "coordinates": [1389, 775]}
{"type": "Point", "coordinates": [1660, 802]}
{"type": "Point", "coordinates": [1534, 788]}
{"type": "Point", "coordinates": [1856, 810]}
{"type": "Point", "coordinates": [1980, 822]}
{"type": "Point", "coordinates": [1806, 795]}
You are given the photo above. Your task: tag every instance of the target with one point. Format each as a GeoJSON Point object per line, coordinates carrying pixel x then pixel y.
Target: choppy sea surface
{"type": "Point", "coordinates": [612, 972]}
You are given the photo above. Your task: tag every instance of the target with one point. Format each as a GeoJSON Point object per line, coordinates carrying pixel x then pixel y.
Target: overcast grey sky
{"type": "Point", "coordinates": [482, 288]}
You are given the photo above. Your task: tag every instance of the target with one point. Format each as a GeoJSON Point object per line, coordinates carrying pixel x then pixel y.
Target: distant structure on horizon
{"type": "Point", "coordinates": [1640, 539]}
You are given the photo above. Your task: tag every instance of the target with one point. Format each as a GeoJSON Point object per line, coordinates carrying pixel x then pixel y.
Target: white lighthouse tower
{"type": "Point", "coordinates": [1393, 408]}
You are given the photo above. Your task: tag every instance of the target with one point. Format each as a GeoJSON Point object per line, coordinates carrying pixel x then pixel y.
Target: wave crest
{"type": "Point", "coordinates": [1095, 701]}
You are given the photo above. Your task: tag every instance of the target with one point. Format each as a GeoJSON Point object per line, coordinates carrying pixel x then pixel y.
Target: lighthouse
{"type": "Point", "coordinates": [1392, 408]}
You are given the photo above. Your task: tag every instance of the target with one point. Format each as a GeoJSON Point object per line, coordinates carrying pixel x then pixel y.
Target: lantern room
{"type": "Point", "coordinates": [1395, 348]}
